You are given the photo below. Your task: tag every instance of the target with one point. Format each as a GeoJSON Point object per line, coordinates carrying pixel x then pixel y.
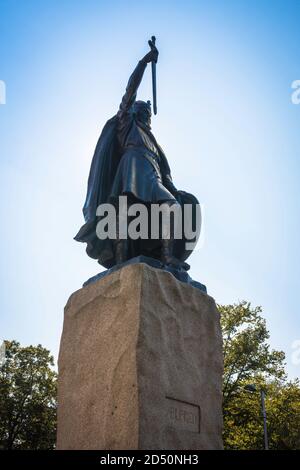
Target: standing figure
{"type": "Point", "coordinates": [129, 162]}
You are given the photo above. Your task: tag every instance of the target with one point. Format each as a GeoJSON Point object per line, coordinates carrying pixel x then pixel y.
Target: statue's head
{"type": "Point", "coordinates": [142, 110]}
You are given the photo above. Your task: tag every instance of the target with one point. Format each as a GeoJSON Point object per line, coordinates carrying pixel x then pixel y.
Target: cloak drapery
{"type": "Point", "coordinates": [103, 170]}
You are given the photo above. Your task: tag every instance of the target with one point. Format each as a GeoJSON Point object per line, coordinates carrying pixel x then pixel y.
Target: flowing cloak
{"type": "Point", "coordinates": [101, 181]}
{"type": "Point", "coordinates": [103, 168]}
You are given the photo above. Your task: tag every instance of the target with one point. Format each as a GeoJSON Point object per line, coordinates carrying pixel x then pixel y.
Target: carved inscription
{"type": "Point", "coordinates": [183, 415]}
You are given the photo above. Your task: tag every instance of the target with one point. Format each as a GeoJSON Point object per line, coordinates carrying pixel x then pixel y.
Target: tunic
{"type": "Point", "coordinates": [142, 172]}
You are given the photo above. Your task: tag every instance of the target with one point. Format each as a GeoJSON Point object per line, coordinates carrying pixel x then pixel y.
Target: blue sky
{"type": "Point", "coordinates": [225, 120]}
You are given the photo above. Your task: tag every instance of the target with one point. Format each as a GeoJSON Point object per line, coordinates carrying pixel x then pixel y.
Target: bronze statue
{"type": "Point", "coordinates": [128, 161]}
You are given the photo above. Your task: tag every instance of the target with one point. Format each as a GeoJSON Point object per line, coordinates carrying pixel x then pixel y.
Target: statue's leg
{"type": "Point", "coordinates": [120, 244]}
{"type": "Point", "coordinates": [120, 251]}
{"type": "Point", "coordinates": [168, 236]}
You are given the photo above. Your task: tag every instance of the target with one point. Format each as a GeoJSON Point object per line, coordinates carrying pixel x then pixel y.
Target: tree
{"type": "Point", "coordinates": [27, 398]}
{"type": "Point", "coordinates": [28, 389]}
{"type": "Point", "coordinates": [249, 359]}
{"type": "Point", "coordinates": [283, 407]}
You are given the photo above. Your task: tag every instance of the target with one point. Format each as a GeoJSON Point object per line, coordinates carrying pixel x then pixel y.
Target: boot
{"type": "Point", "coordinates": [167, 257]}
{"type": "Point", "coordinates": [120, 251]}
{"type": "Point", "coordinates": [166, 251]}
{"type": "Point", "coordinates": [120, 246]}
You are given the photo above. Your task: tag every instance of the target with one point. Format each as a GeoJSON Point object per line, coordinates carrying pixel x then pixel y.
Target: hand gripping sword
{"type": "Point", "coordinates": [153, 64]}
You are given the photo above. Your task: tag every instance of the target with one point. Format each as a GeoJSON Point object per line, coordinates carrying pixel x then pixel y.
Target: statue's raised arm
{"type": "Point", "coordinates": [135, 80]}
{"type": "Point", "coordinates": [129, 163]}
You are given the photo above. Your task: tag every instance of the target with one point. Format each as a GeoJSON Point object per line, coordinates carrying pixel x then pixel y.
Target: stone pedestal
{"type": "Point", "coordinates": [140, 365]}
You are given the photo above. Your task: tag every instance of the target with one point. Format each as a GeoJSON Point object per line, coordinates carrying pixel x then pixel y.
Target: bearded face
{"type": "Point", "coordinates": [142, 111]}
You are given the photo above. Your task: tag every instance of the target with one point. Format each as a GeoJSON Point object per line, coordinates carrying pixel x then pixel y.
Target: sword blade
{"type": "Point", "coordinates": [154, 87]}
{"type": "Point", "coordinates": [153, 39]}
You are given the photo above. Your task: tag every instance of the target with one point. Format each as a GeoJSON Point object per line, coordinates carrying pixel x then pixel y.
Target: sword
{"type": "Point", "coordinates": [153, 64]}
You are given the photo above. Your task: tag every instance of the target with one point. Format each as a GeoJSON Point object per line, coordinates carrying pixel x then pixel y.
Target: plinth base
{"type": "Point", "coordinates": [140, 365]}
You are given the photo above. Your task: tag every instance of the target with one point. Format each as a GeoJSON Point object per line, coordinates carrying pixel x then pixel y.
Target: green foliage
{"type": "Point", "coordinates": [248, 359]}
{"type": "Point", "coordinates": [28, 389]}
{"type": "Point", "coordinates": [27, 398]}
